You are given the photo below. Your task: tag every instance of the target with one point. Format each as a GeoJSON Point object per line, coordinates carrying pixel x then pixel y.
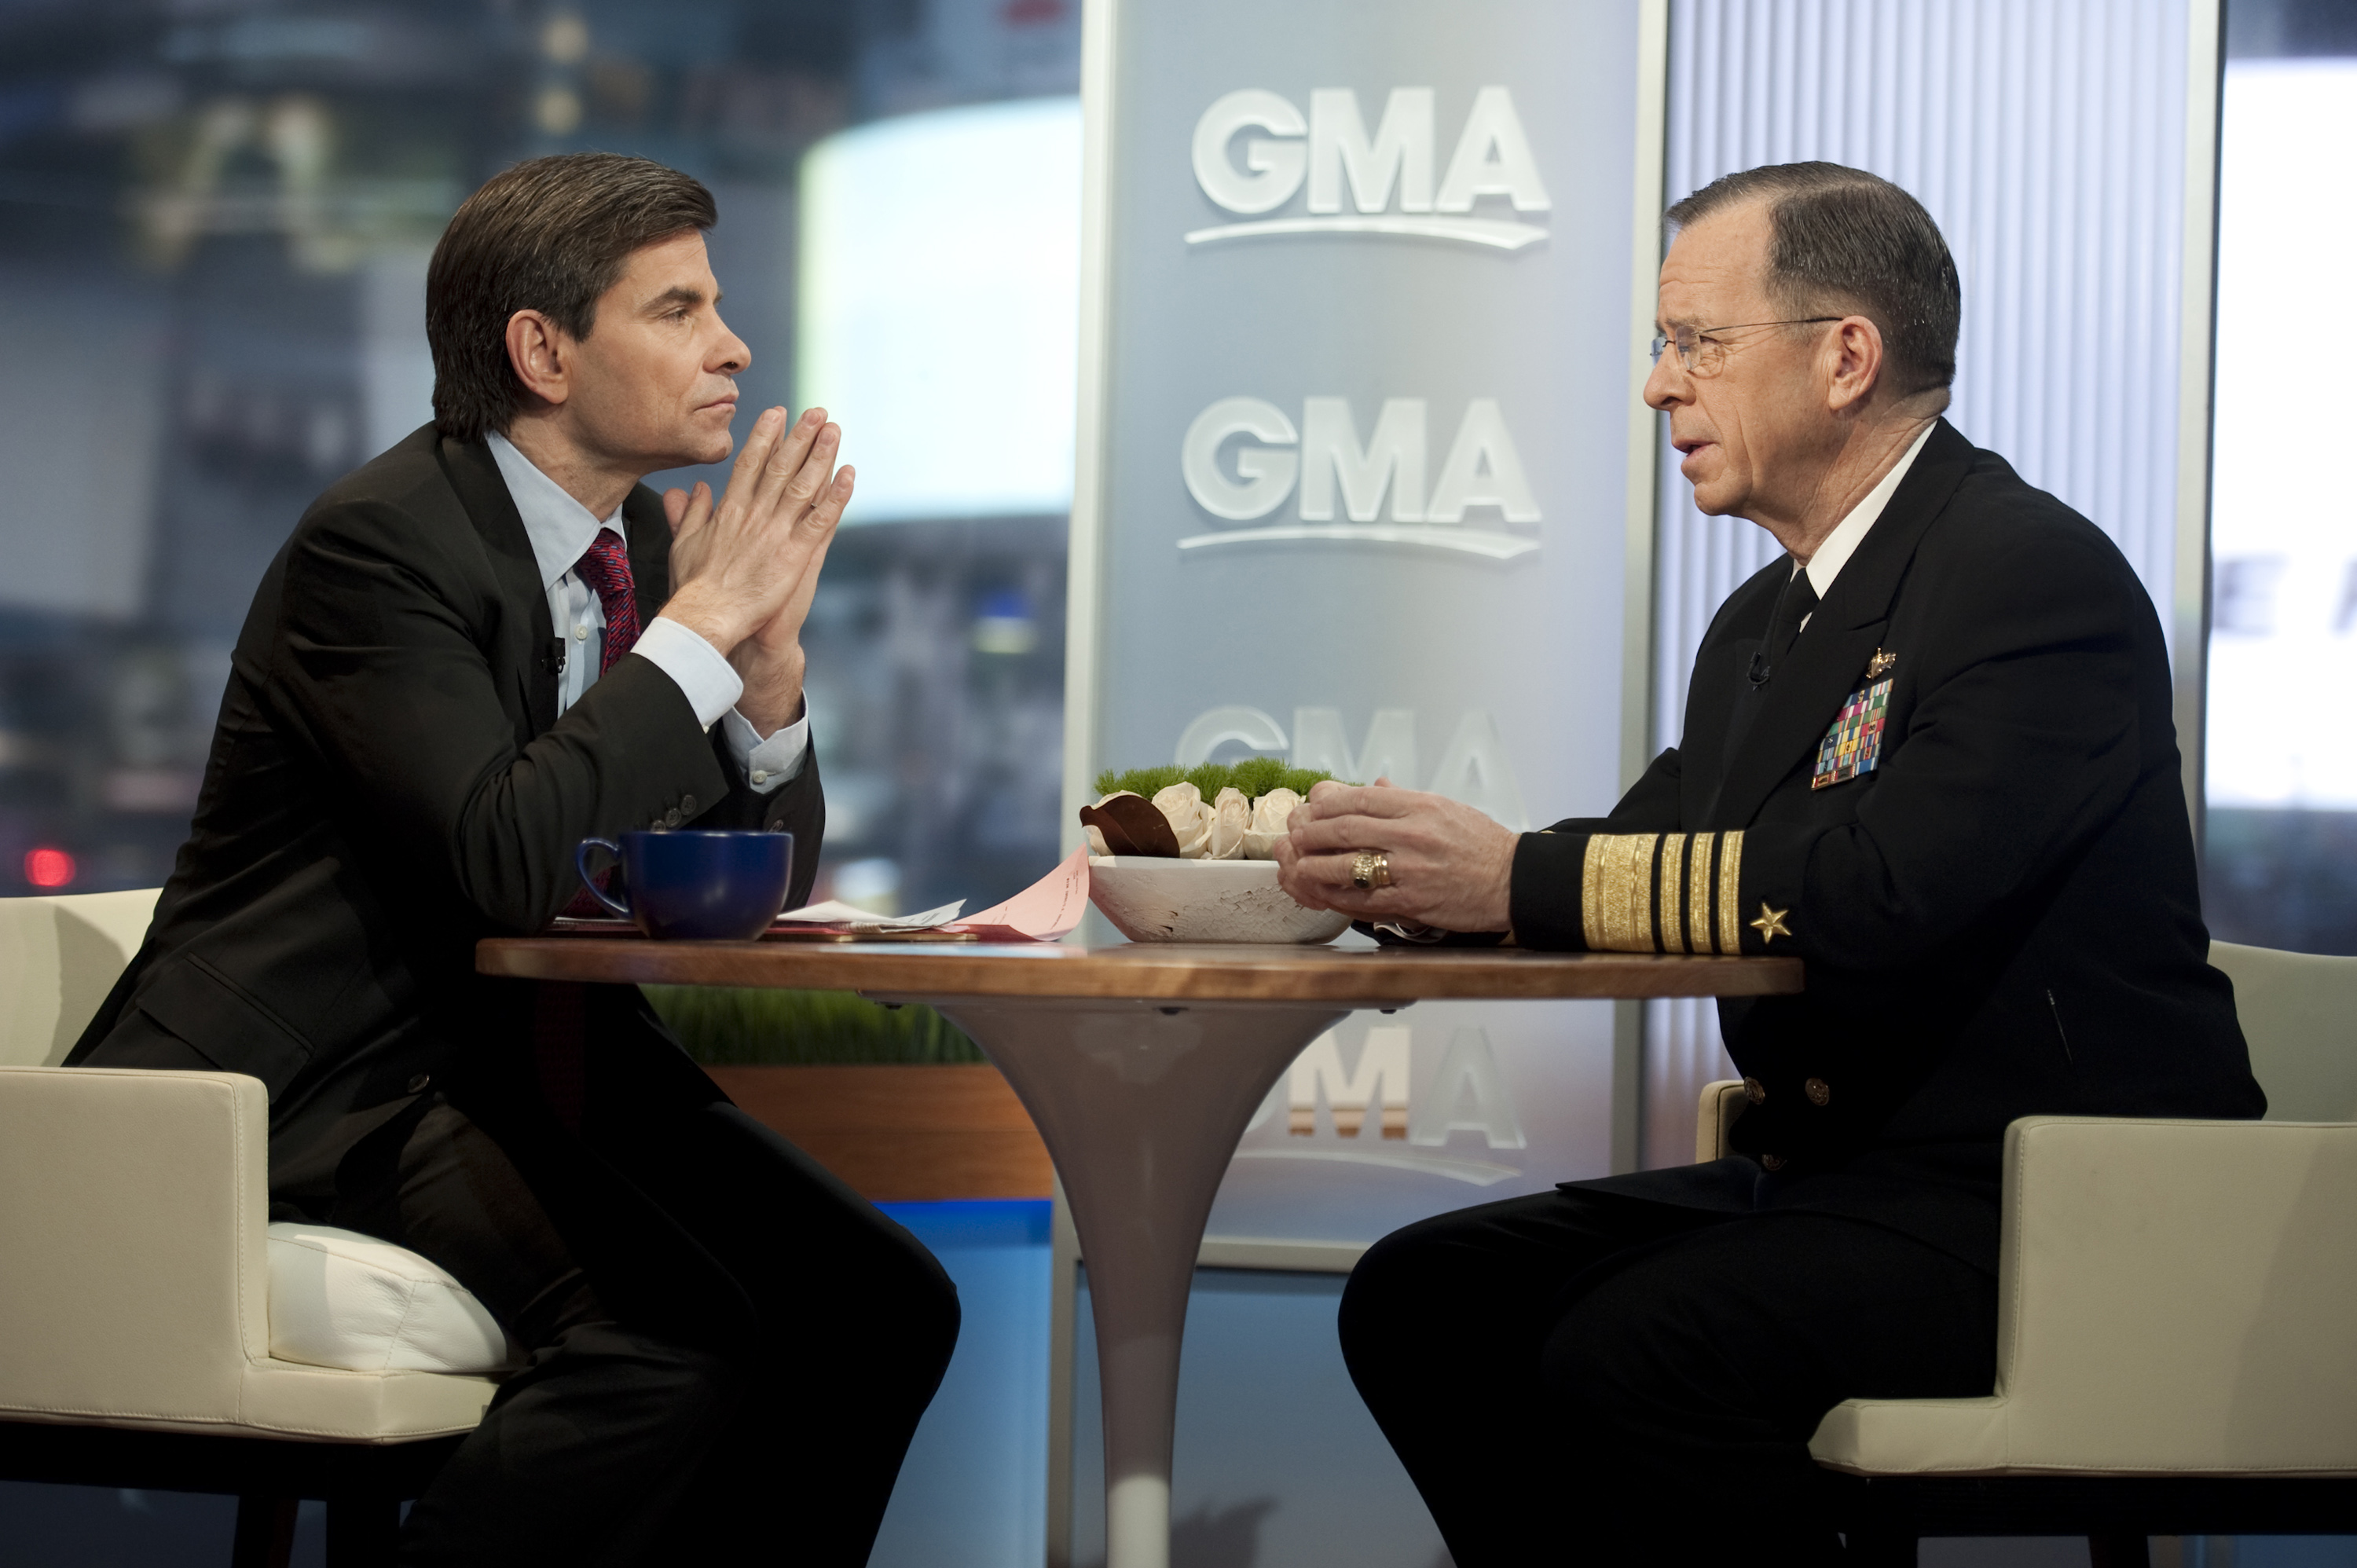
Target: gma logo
{"type": "Point", "coordinates": [1254, 149]}
{"type": "Point", "coordinates": [1241, 456]}
{"type": "Point", "coordinates": [1366, 1109]}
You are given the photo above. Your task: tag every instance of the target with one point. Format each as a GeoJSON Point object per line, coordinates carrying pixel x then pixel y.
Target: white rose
{"type": "Point", "coordinates": [1271, 811]}
{"type": "Point", "coordinates": [1231, 819]}
{"type": "Point", "coordinates": [1271, 815]}
{"type": "Point", "coordinates": [1191, 820]}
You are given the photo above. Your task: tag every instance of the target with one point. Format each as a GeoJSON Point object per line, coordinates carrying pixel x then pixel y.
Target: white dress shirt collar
{"type": "Point", "coordinates": [1843, 542]}
{"type": "Point", "coordinates": [561, 529]}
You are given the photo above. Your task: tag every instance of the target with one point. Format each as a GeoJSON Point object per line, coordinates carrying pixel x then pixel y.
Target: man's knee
{"type": "Point", "coordinates": [933, 1312]}
{"type": "Point", "coordinates": [1403, 1288]}
{"type": "Point", "coordinates": [897, 1308]}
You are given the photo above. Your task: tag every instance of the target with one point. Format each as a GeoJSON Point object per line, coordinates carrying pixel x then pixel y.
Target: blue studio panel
{"type": "Point", "coordinates": [1278, 1463]}
{"type": "Point", "coordinates": [974, 1491]}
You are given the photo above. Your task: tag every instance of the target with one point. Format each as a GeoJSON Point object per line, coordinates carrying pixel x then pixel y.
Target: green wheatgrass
{"type": "Point", "coordinates": [723, 1026]}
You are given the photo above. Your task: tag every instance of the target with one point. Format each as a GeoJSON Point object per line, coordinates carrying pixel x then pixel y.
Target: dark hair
{"type": "Point", "coordinates": [1841, 236]}
{"type": "Point", "coordinates": [551, 235]}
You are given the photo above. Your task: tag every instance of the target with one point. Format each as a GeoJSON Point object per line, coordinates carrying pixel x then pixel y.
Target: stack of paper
{"type": "Point", "coordinates": [835, 913]}
{"type": "Point", "coordinates": [1043, 912]}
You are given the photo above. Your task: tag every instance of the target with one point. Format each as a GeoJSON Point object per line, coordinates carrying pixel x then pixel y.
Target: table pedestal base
{"type": "Point", "coordinates": [1141, 1105]}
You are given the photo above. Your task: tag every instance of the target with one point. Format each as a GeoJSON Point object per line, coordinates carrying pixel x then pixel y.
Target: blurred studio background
{"type": "Point", "coordinates": [215, 217]}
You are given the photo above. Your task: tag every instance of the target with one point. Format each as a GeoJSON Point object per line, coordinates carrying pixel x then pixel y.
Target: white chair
{"type": "Point", "coordinates": [149, 1312]}
{"type": "Point", "coordinates": [2176, 1351]}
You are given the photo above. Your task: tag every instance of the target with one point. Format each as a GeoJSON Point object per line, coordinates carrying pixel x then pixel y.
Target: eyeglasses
{"type": "Point", "coordinates": [1704, 355]}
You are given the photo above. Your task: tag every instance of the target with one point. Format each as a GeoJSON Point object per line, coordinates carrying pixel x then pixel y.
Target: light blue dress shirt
{"type": "Point", "coordinates": [562, 529]}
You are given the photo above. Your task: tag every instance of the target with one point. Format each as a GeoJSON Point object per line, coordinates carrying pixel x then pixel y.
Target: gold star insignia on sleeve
{"type": "Point", "coordinates": [1771, 924]}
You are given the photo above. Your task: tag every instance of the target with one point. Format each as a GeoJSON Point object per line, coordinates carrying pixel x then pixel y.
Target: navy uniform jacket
{"type": "Point", "coordinates": [390, 782]}
{"type": "Point", "coordinates": [1998, 910]}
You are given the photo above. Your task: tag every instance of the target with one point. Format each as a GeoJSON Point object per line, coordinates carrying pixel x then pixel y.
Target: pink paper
{"type": "Point", "coordinates": [1050, 907]}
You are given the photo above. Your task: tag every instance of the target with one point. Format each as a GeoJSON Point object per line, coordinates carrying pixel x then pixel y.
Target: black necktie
{"type": "Point", "coordinates": [1794, 605]}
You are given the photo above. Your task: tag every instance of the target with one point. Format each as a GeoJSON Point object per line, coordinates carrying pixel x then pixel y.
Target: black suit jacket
{"type": "Point", "coordinates": [2001, 918]}
{"type": "Point", "coordinates": [390, 782]}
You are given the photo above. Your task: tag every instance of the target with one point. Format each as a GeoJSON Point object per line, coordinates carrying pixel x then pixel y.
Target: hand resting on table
{"type": "Point", "coordinates": [1450, 866]}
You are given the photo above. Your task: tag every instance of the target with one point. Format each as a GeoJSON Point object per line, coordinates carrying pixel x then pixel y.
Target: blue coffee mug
{"type": "Point", "coordinates": [698, 886]}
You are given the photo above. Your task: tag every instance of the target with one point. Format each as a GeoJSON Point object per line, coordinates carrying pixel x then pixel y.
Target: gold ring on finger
{"type": "Point", "coordinates": [1362, 870]}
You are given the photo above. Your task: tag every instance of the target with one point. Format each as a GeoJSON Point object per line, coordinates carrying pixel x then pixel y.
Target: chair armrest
{"type": "Point", "coordinates": [2174, 1297]}
{"type": "Point", "coordinates": [1722, 1103]}
{"type": "Point", "coordinates": [133, 1208]}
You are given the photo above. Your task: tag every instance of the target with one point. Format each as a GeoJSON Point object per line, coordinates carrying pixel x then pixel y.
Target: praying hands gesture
{"type": "Point", "coordinates": [1448, 864]}
{"type": "Point", "coordinates": [743, 571]}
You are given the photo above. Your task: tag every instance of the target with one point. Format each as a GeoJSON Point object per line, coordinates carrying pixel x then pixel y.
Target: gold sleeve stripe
{"type": "Point", "coordinates": [1659, 892]}
{"type": "Point", "coordinates": [1637, 934]}
{"type": "Point", "coordinates": [1616, 892]}
{"type": "Point", "coordinates": [1730, 879]}
{"type": "Point", "coordinates": [1673, 879]}
{"type": "Point", "coordinates": [1698, 893]}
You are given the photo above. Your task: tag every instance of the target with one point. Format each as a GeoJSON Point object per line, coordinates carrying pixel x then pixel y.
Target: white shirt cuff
{"type": "Point", "coordinates": [767, 764]}
{"type": "Point", "coordinates": [709, 683]}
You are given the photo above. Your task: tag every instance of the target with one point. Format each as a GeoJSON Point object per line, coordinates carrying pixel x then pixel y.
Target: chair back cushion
{"type": "Point", "coordinates": [2299, 1015]}
{"type": "Point", "coordinates": [342, 1299]}
{"type": "Point", "coordinates": [59, 958]}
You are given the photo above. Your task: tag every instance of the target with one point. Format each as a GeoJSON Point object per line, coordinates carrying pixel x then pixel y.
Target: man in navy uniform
{"type": "Point", "coordinates": [1929, 751]}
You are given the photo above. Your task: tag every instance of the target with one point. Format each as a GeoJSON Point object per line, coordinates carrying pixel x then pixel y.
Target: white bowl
{"type": "Point", "coordinates": [1151, 899]}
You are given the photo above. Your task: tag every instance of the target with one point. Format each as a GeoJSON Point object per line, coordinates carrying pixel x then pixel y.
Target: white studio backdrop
{"type": "Point", "coordinates": [2064, 148]}
{"type": "Point", "coordinates": [1359, 364]}
{"type": "Point", "coordinates": [2286, 601]}
{"type": "Point", "coordinates": [939, 255]}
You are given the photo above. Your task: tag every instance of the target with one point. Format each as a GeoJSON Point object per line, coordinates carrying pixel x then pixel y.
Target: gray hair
{"type": "Point", "coordinates": [1843, 237]}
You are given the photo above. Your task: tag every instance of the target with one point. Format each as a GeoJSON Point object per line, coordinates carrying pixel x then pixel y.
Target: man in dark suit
{"type": "Point", "coordinates": [441, 688]}
{"type": "Point", "coordinates": [1930, 752]}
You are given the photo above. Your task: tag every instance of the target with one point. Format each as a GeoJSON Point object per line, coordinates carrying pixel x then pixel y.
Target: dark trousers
{"type": "Point", "coordinates": [615, 1445]}
{"type": "Point", "coordinates": [1584, 1377]}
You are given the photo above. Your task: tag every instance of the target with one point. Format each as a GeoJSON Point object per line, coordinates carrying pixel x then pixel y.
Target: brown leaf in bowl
{"type": "Point", "coordinates": [1131, 824]}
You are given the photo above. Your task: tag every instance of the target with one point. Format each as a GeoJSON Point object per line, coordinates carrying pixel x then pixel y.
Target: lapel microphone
{"type": "Point", "coordinates": [553, 659]}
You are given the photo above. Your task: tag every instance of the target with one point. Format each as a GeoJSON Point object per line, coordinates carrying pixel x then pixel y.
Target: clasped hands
{"type": "Point", "coordinates": [743, 569]}
{"type": "Point", "coordinates": [1450, 866]}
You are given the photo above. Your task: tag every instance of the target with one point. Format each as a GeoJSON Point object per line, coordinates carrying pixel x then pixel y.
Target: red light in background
{"type": "Point", "coordinates": [49, 868]}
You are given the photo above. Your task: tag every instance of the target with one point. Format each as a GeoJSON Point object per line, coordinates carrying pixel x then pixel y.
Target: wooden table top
{"type": "Point", "coordinates": [1154, 971]}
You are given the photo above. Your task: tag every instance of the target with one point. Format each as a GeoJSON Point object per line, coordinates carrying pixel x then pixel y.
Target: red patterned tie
{"type": "Point", "coordinates": [607, 568]}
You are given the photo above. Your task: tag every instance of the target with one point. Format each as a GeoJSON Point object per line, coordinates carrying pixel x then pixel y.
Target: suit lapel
{"type": "Point", "coordinates": [476, 476]}
{"type": "Point", "coordinates": [1825, 665]}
